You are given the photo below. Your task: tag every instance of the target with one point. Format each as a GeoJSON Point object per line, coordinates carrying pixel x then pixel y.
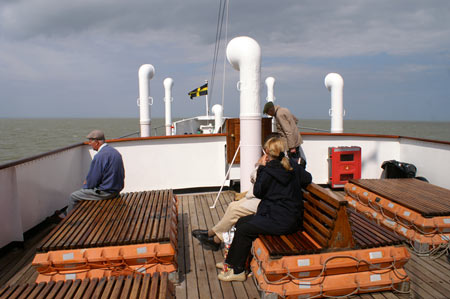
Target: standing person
{"type": "Point", "coordinates": [106, 175]}
{"type": "Point", "coordinates": [279, 212]}
{"type": "Point", "coordinates": [287, 128]}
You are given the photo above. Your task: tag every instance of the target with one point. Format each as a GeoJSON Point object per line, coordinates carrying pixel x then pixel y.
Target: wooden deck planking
{"type": "Point", "coordinates": [197, 272]}
{"type": "Point", "coordinates": [198, 261]}
{"type": "Point", "coordinates": [13, 261]}
{"type": "Point", "coordinates": [214, 283]}
{"type": "Point", "coordinates": [249, 285]}
{"type": "Point", "coordinates": [202, 262]}
{"type": "Point", "coordinates": [216, 214]}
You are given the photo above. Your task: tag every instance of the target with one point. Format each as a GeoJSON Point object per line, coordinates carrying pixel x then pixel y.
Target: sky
{"type": "Point", "coordinates": [76, 59]}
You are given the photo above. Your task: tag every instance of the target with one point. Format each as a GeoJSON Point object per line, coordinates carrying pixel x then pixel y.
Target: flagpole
{"type": "Point", "coordinates": [207, 104]}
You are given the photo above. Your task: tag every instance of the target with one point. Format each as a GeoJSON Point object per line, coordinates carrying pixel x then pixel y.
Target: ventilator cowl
{"type": "Point", "coordinates": [335, 84]}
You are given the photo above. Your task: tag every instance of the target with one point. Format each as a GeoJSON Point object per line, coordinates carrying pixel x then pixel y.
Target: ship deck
{"type": "Point", "coordinates": [197, 274]}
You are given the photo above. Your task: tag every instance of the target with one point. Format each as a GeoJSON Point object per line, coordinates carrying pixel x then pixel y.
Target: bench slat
{"type": "Point", "coordinates": [125, 222]}
{"type": "Point", "coordinates": [154, 286]}
{"type": "Point", "coordinates": [330, 211]}
{"type": "Point", "coordinates": [151, 216]}
{"type": "Point", "coordinates": [164, 215]}
{"type": "Point", "coordinates": [100, 226]}
{"type": "Point", "coordinates": [139, 224]}
{"type": "Point", "coordinates": [318, 227]}
{"type": "Point", "coordinates": [89, 228]}
{"type": "Point", "coordinates": [157, 218]}
{"type": "Point", "coordinates": [115, 228]}
{"type": "Point", "coordinates": [127, 287]}
{"type": "Point", "coordinates": [327, 195]}
{"type": "Point", "coordinates": [322, 217]}
{"type": "Point", "coordinates": [79, 225]}
{"type": "Point", "coordinates": [109, 287]}
{"type": "Point", "coordinates": [315, 235]}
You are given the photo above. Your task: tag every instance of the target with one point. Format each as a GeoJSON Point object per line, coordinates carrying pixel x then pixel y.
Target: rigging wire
{"type": "Point", "coordinates": [224, 56]}
{"type": "Point", "coordinates": [220, 19]}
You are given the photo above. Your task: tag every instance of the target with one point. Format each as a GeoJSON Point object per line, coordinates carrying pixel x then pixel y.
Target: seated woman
{"type": "Point", "coordinates": [212, 238]}
{"type": "Point", "coordinates": [279, 212]}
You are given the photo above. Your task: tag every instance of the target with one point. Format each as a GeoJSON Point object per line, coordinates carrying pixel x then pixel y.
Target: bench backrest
{"type": "Point", "coordinates": [325, 218]}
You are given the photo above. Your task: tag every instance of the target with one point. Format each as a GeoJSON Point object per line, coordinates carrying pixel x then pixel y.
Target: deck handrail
{"type": "Point", "coordinates": [38, 156]}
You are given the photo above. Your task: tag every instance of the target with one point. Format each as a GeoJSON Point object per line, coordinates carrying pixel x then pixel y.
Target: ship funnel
{"type": "Point", "coordinates": [146, 72]}
{"type": "Point", "coordinates": [270, 83]}
{"type": "Point", "coordinates": [168, 84]}
{"type": "Point", "coordinates": [218, 117]}
{"type": "Point", "coordinates": [244, 54]}
{"type": "Point", "coordinates": [335, 85]}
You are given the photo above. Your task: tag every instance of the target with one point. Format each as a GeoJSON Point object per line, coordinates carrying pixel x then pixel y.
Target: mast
{"type": "Point", "coordinates": [207, 103]}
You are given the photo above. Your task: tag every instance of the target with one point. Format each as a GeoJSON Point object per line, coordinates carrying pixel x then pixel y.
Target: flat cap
{"type": "Point", "coordinates": [96, 134]}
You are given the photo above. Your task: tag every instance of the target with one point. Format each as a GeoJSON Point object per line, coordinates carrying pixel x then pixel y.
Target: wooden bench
{"type": "Point", "coordinates": [156, 286]}
{"type": "Point", "coordinates": [131, 218]}
{"type": "Point", "coordinates": [328, 225]}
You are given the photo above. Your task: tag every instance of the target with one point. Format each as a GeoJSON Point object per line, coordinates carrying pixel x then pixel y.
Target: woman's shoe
{"type": "Point", "coordinates": [230, 276]}
{"type": "Point", "coordinates": [219, 266]}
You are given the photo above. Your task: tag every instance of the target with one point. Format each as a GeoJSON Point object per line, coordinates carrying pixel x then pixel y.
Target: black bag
{"type": "Point", "coordinates": [393, 169]}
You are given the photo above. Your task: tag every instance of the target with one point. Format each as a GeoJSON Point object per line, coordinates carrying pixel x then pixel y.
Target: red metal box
{"type": "Point", "coordinates": [344, 163]}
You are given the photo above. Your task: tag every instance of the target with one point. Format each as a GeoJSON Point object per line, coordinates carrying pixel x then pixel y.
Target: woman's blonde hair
{"type": "Point", "coordinates": [275, 148]}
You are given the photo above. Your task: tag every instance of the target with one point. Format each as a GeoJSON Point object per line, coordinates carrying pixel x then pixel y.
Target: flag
{"type": "Point", "coordinates": [201, 91]}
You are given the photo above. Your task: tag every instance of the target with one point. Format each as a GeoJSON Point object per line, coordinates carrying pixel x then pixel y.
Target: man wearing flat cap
{"type": "Point", "coordinates": [106, 175]}
{"type": "Point", "coordinates": [288, 130]}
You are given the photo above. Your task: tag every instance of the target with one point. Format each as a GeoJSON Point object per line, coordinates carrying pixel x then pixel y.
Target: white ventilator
{"type": "Point", "coordinates": [218, 117]}
{"type": "Point", "coordinates": [244, 54]}
{"type": "Point", "coordinates": [270, 83]}
{"type": "Point", "coordinates": [335, 84]}
{"type": "Point", "coordinates": [168, 84]}
{"type": "Point", "coordinates": [146, 72]}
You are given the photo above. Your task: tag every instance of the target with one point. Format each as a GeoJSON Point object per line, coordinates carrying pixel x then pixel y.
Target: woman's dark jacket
{"type": "Point", "coordinates": [281, 208]}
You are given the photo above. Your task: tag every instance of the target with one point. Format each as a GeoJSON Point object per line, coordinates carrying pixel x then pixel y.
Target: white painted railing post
{"type": "Point", "coordinates": [168, 84]}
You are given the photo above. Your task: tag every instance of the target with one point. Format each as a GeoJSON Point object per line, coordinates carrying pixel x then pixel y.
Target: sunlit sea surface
{"type": "Point", "coordinates": [21, 138]}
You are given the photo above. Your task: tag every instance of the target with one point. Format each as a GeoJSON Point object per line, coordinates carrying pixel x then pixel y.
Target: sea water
{"type": "Point", "coordinates": [21, 138]}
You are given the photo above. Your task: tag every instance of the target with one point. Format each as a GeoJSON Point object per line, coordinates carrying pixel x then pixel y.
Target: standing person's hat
{"type": "Point", "coordinates": [267, 106]}
{"type": "Point", "coordinates": [96, 134]}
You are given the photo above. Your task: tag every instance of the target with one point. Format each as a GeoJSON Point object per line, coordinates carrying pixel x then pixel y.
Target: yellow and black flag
{"type": "Point", "coordinates": [201, 91]}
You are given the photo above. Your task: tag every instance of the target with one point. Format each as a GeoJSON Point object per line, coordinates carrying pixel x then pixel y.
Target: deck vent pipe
{"type": "Point", "coordinates": [244, 54]}
{"type": "Point", "coordinates": [218, 117]}
{"type": "Point", "coordinates": [270, 83]}
{"type": "Point", "coordinates": [335, 84]}
{"type": "Point", "coordinates": [146, 72]}
{"type": "Point", "coordinates": [168, 84]}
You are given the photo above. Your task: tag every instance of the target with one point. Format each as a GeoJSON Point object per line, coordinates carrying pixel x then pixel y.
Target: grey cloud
{"type": "Point", "coordinates": [91, 49]}
{"type": "Point", "coordinates": [292, 28]}
{"type": "Point", "coordinates": [27, 19]}
{"type": "Point", "coordinates": [339, 28]}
